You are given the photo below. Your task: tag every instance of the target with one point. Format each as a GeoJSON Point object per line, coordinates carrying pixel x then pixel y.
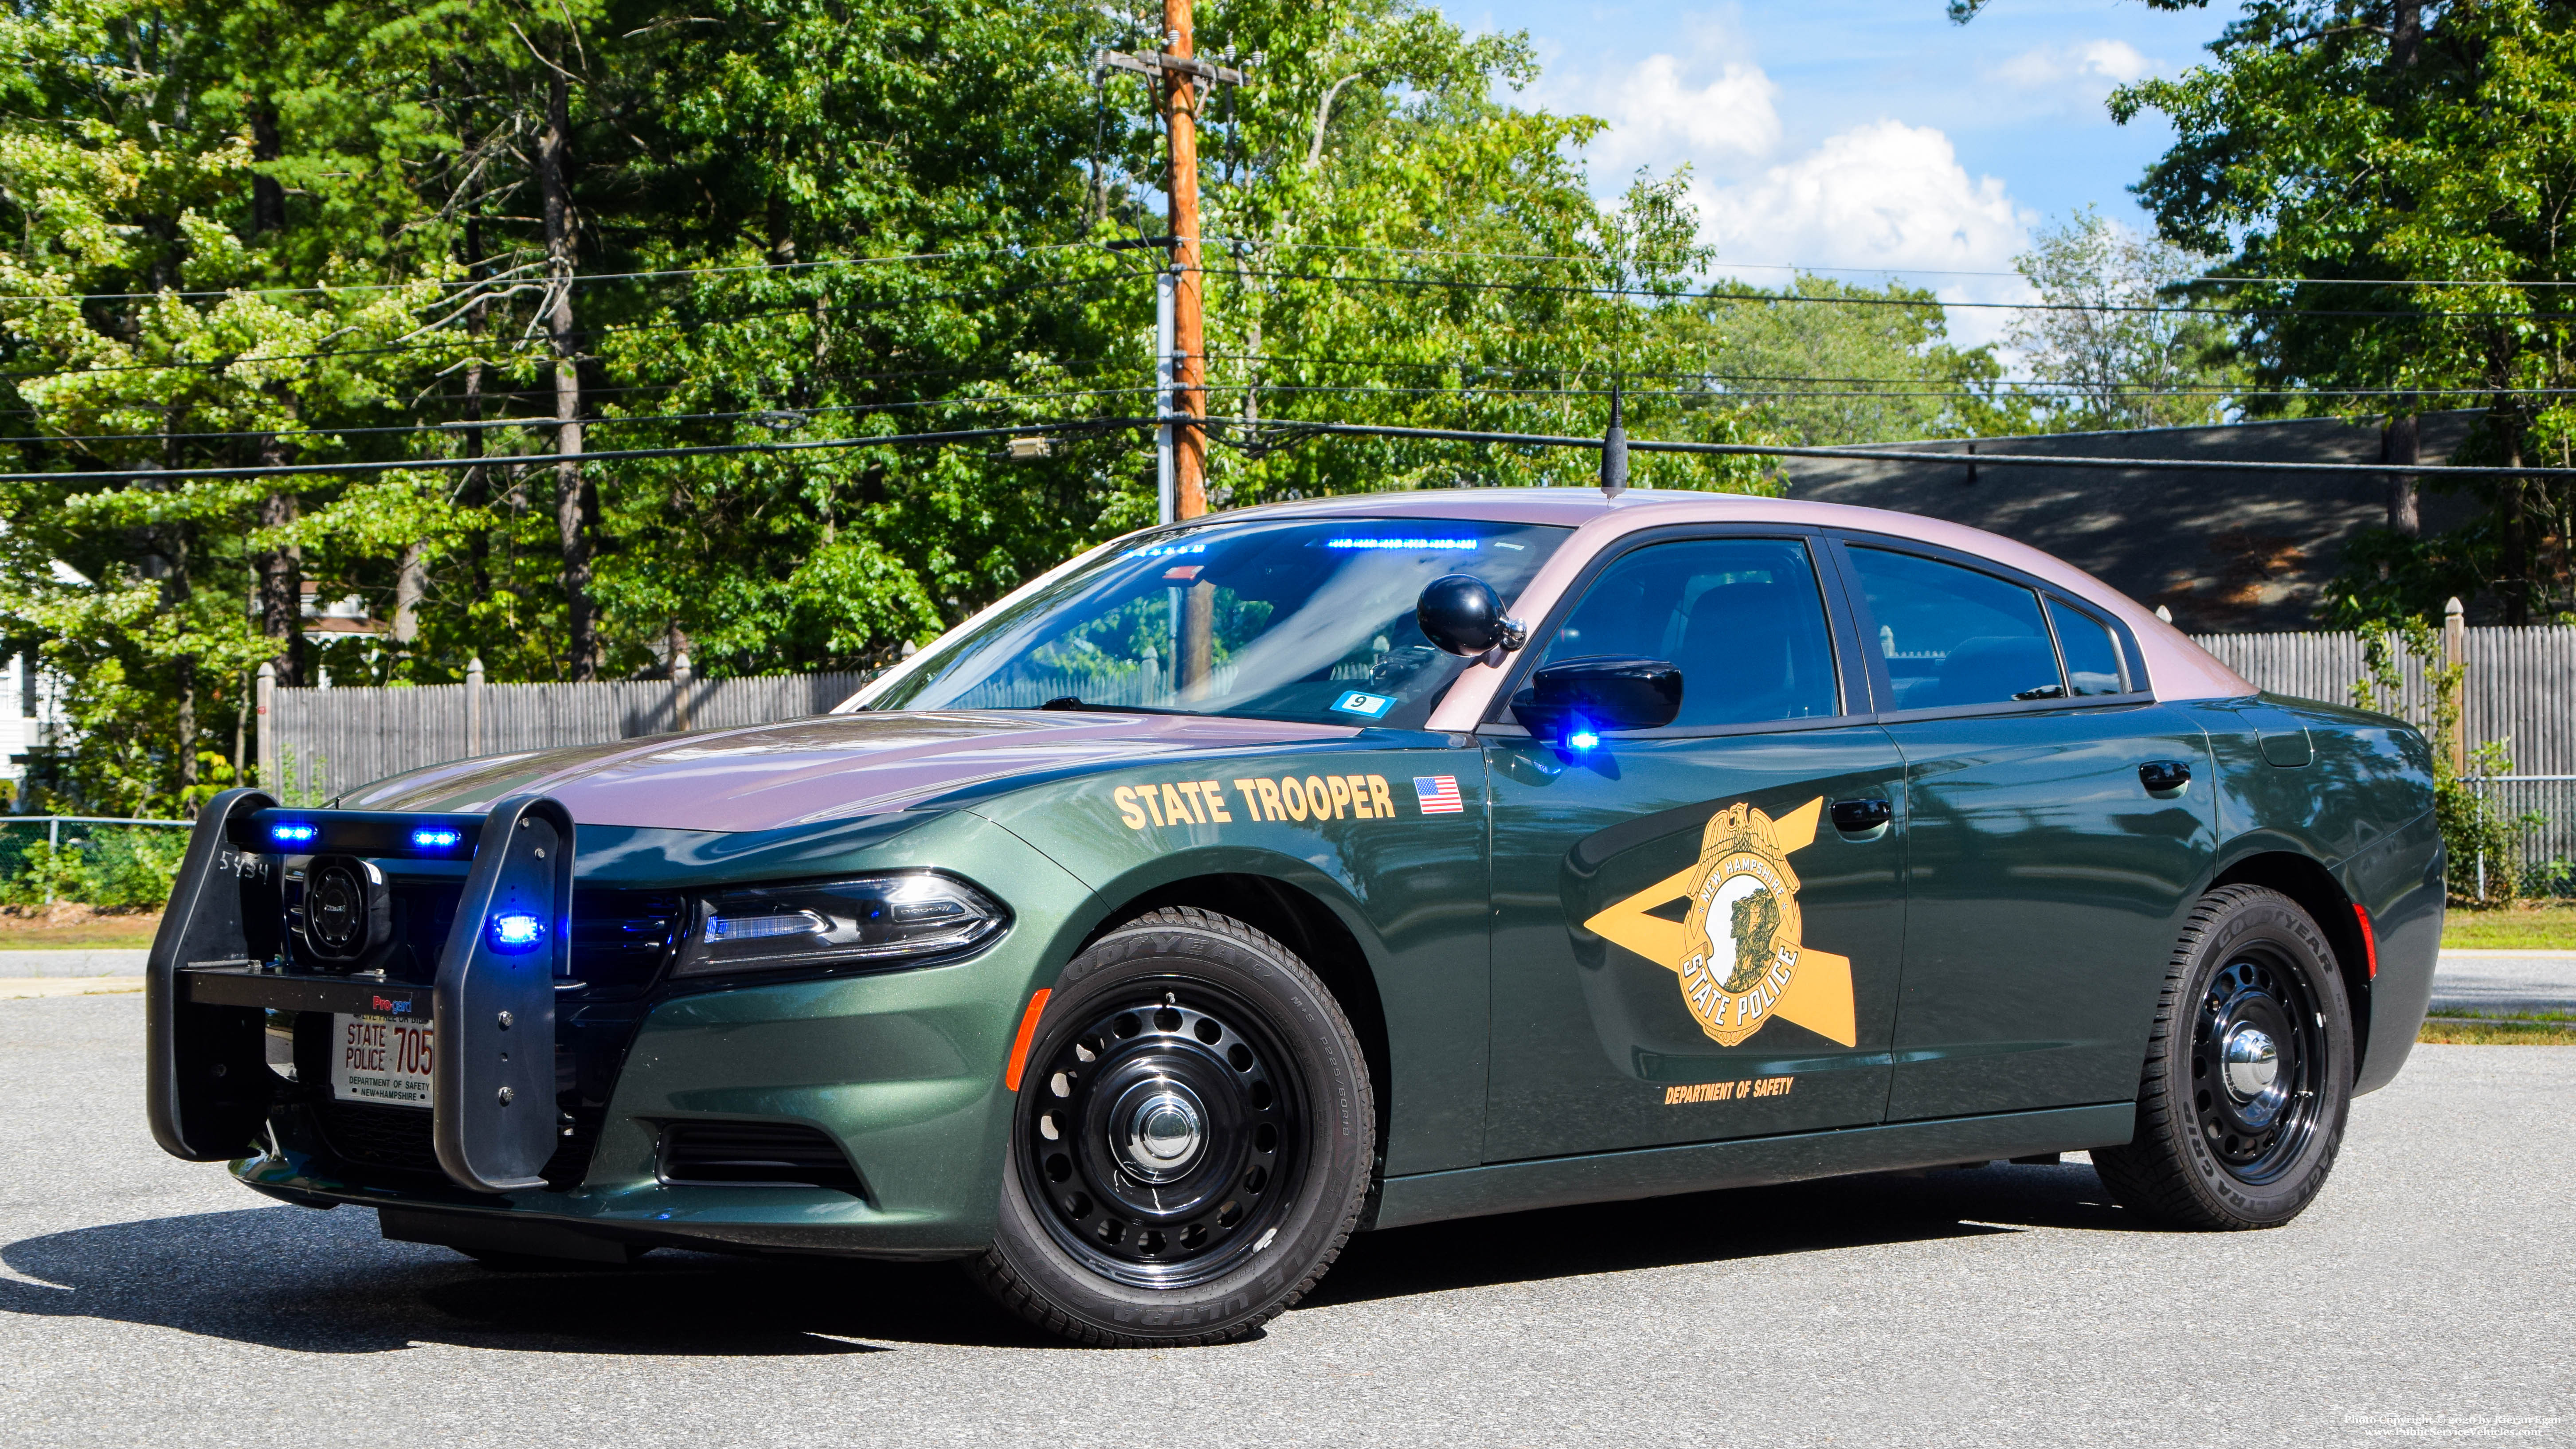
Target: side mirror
{"type": "Point", "coordinates": [1464, 616]}
{"type": "Point", "coordinates": [1566, 702]}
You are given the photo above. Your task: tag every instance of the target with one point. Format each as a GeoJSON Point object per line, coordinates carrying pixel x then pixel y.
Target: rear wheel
{"type": "Point", "coordinates": [1191, 1143]}
{"type": "Point", "coordinates": [2248, 1077]}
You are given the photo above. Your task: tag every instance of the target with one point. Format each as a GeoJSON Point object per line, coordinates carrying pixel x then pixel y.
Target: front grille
{"type": "Point", "coordinates": [755, 1154]}
{"type": "Point", "coordinates": [369, 1134]}
{"type": "Point", "coordinates": [397, 1139]}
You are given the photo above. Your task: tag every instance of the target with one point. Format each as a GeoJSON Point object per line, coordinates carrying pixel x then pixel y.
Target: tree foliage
{"type": "Point", "coordinates": [282, 232]}
{"type": "Point", "coordinates": [2105, 337]}
{"type": "Point", "coordinates": [2391, 180]}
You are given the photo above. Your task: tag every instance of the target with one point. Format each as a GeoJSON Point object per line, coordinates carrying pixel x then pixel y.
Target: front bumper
{"type": "Point", "coordinates": [902, 1069]}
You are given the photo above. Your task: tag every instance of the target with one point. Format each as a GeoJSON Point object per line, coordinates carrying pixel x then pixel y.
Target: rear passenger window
{"type": "Point", "coordinates": [2092, 655]}
{"type": "Point", "coordinates": [1741, 617]}
{"type": "Point", "coordinates": [1953, 636]}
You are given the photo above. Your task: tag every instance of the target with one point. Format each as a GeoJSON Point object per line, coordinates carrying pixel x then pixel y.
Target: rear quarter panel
{"type": "Point", "coordinates": [2361, 807]}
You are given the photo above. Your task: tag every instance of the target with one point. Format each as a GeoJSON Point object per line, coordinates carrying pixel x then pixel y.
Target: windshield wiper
{"type": "Point", "coordinates": [1070, 702]}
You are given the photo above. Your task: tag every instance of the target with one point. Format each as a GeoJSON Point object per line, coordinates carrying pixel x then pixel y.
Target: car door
{"type": "Point", "coordinates": [2045, 880]}
{"type": "Point", "coordinates": [1685, 944]}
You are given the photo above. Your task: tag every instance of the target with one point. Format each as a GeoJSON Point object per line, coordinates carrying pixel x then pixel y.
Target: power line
{"type": "Point", "coordinates": [1570, 289]}
{"type": "Point", "coordinates": [1721, 264]}
{"type": "Point", "coordinates": [1899, 388]}
{"type": "Point", "coordinates": [1897, 455]}
{"type": "Point", "coordinates": [1461, 365]}
{"type": "Point", "coordinates": [509, 352]}
{"type": "Point", "coordinates": [784, 413]}
{"type": "Point", "coordinates": [1293, 430]}
{"type": "Point", "coordinates": [791, 415]}
{"type": "Point", "coordinates": [467, 288]}
{"type": "Point", "coordinates": [711, 450]}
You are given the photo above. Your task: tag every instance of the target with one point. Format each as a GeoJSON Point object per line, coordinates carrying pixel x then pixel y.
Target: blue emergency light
{"type": "Point", "coordinates": [515, 931]}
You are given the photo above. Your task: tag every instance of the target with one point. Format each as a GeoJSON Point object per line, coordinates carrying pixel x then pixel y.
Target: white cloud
{"type": "Point", "coordinates": [1884, 195]}
{"type": "Point", "coordinates": [1659, 118]}
{"type": "Point", "coordinates": [1877, 197]}
{"type": "Point", "coordinates": [2083, 72]}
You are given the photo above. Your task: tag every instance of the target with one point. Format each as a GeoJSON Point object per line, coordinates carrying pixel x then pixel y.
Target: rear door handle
{"type": "Point", "coordinates": [1855, 817]}
{"type": "Point", "coordinates": [2164, 777]}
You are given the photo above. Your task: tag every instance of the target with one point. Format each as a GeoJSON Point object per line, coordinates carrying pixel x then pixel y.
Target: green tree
{"type": "Point", "coordinates": [2390, 178]}
{"type": "Point", "coordinates": [2101, 343]}
{"type": "Point", "coordinates": [489, 232]}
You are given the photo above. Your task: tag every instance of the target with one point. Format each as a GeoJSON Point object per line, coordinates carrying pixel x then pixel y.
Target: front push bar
{"type": "Point", "coordinates": [221, 958]}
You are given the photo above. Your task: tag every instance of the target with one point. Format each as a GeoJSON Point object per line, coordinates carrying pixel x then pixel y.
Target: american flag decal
{"type": "Point", "coordinates": [1438, 794]}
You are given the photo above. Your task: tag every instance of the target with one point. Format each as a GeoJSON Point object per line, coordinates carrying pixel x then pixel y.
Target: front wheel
{"type": "Point", "coordinates": [1192, 1140]}
{"type": "Point", "coordinates": [2248, 1077]}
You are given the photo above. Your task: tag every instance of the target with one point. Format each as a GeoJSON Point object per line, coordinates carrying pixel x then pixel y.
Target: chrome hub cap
{"type": "Point", "coordinates": [2253, 1062]}
{"type": "Point", "coordinates": [1164, 1125]}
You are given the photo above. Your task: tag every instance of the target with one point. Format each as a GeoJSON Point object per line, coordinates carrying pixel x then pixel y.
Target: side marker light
{"type": "Point", "coordinates": [2369, 940]}
{"type": "Point", "coordinates": [1028, 1032]}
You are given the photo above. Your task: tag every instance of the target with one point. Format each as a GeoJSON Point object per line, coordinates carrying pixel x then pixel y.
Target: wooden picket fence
{"type": "Point", "coordinates": [2521, 689]}
{"type": "Point", "coordinates": [323, 742]}
{"type": "Point", "coordinates": [2521, 685]}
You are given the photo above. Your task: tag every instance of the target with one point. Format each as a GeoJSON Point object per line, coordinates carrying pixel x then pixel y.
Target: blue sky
{"type": "Point", "coordinates": [1866, 133]}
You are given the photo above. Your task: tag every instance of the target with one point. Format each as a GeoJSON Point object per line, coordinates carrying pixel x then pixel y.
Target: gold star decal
{"type": "Point", "coordinates": [1737, 951]}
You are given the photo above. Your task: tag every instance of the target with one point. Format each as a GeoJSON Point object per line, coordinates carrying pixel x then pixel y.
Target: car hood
{"type": "Point", "coordinates": [818, 769]}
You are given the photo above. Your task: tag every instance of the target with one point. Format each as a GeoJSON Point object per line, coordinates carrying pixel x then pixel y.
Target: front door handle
{"type": "Point", "coordinates": [2164, 777]}
{"type": "Point", "coordinates": [1858, 817]}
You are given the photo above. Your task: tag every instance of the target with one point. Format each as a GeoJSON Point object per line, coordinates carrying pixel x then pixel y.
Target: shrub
{"type": "Point", "coordinates": [111, 868]}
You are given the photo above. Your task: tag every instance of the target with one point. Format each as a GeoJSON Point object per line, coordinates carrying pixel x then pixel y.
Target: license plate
{"type": "Point", "coordinates": [380, 1059]}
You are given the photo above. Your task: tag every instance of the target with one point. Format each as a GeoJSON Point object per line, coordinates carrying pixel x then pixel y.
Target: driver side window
{"type": "Point", "coordinates": [1742, 618]}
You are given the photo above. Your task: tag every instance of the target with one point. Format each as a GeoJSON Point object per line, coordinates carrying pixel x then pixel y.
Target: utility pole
{"type": "Point", "coordinates": [1180, 331]}
{"type": "Point", "coordinates": [1166, 406]}
{"type": "Point", "coordinates": [1189, 331]}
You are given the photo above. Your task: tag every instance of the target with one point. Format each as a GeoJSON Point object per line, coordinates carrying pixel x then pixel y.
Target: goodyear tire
{"type": "Point", "coordinates": [2248, 1077]}
{"type": "Point", "coordinates": [1192, 1140]}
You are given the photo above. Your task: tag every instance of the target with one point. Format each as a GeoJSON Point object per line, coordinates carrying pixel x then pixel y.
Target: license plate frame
{"type": "Point", "coordinates": [381, 1060]}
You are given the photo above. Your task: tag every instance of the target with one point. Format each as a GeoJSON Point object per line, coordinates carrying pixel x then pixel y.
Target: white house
{"type": "Point", "coordinates": [30, 712]}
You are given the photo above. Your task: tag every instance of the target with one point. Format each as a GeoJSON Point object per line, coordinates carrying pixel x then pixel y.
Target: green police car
{"type": "Point", "coordinates": [1250, 882]}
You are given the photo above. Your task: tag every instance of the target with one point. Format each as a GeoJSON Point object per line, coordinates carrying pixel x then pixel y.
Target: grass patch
{"type": "Point", "coordinates": [2479, 1028]}
{"type": "Point", "coordinates": [75, 928]}
{"type": "Point", "coordinates": [2526, 926]}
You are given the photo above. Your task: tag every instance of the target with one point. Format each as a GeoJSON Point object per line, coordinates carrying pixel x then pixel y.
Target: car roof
{"type": "Point", "coordinates": [2177, 669]}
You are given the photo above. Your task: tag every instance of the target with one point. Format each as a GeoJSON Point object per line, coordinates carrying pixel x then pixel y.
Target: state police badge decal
{"type": "Point", "coordinates": [1738, 949]}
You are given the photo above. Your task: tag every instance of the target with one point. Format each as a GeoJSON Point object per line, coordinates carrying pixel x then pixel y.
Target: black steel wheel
{"type": "Point", "coordinates": [1166, 1133]}
{"type": "Point", "coordinates": [1192, 1139]}
{"type": "Point", "coordinates": [2248, 1076]}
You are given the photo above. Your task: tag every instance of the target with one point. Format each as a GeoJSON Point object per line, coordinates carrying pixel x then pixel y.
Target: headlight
{"type": "Point", "coordinates": [874, 919]}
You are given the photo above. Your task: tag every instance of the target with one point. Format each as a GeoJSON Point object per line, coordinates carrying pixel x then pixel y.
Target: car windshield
{"type": "Point", "coordinates": [1271, 619]}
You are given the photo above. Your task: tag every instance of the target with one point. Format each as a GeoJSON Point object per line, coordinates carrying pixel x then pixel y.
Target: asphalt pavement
{"type": "Point", "coordinates": [2491, 981]}
{"type": "Point", "coordinates": [2428, 1297]}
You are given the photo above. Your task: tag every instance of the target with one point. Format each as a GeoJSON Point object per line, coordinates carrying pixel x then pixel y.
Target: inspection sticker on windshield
{"type": "Point", "coordinates": [1370, 705]}
{"type": "Point", "coordinates": [379, 1059]}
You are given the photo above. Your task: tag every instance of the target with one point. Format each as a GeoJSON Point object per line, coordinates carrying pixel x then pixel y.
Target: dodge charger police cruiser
{"type": "Point", "coordinates": [1332, 866]}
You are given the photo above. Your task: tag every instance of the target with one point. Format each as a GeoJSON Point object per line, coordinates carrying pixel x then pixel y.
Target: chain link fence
{"type": "Point", "coordinates": [2544, 851]}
